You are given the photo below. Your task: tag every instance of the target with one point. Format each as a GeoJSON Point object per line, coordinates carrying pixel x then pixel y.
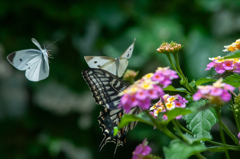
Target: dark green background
{"type": "Point", "coordinates": [57, 117]}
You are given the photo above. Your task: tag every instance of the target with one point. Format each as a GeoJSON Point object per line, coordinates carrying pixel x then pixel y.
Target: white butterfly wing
{"type": "Point", "coordinates": [128, 53]}
{"type": "Point", "coordinates": [36, 43]}
{"type": "Point", "coordinates": [23, 59]}
{"type": "Point", "coordinates": [38, 69]}
{"type": "Point", "coordinates": [97, 61]}
{"type": "Point", "coordinates": [123, 63]}
{"type": "Point", "coordinates": [110, 66]}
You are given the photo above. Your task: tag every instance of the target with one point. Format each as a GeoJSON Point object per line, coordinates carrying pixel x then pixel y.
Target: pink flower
{"type": "Point", "coordinates": [226, 96]}
{"type": "Point", "coordinates": [197, 96]}
{"type": "Point", "coordinates": [141, 150]}
{"type": "Point", "coordinates": [239, 137]}
{"type": "Point", "coordinates": [141, 95]}
{"type": "Point", "coordinates": [210, 65]}
{"type": "Point", "coordinates": [164, 75]}
{"type": "Point", "coordinates": [219, 69]}
{"type": "Point", "coordinates": [228, 65]}
{"type": "Point", "coordinates": [217, 93]}
{"type": "Point", "coordinates": [170, 102]}
{"type": "Point", "coordinates": [221, 65]}
{"type": "Point", "coordinates": [146, 89]}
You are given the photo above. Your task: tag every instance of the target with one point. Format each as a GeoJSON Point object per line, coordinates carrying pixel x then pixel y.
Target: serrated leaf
{"type": "Point", "coordinates": [233, 80]}
{"type": "Point", "coordinates": [204, 80]}
{"type": "Point", "coordinates": [201, 122]}
{"type": "Point", "coordinates": [190, 139]}
{"type": "Point", "coordinates": [235, 54]}
{"type": "Point", "coordinates": [180, 150]}
{"type": "Point", "coordinates": [171, 88]}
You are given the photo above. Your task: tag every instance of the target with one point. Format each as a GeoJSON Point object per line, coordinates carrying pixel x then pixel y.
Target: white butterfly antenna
{"type": "Point", "coordinates": [50, 44]}
{"type": "Point", "coordinates": [49, 55]}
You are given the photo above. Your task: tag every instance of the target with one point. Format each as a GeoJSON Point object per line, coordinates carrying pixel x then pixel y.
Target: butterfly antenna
{"type": "Point", "coordinates": [51, 44]}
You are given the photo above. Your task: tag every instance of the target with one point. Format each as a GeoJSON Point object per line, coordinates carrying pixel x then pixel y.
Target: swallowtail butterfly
{"type": "Point", "coordinates": [105, 88]}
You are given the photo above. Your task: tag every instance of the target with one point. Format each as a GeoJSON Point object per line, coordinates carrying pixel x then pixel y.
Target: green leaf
{"type": "Point", "coordinates": [143, 117]}
{"type": "Point", "coordinates": [204, 80]}
{"type": "Point", "coordinates": [191, 140]}
{"type": "Point", "coordinates": [233, 80]}
{"type": "Point", "coordinates": [201, 122]}
{"type": "Point", "coordinates": [176, 112]}
{"type": "Point", "coordinates": [180, 150]}
{"type": "Point", "coordinates": [171, 88]}
{"type": "Point", "coordinates": [235, 54]}
{"type": "Point", "coordinates": [192, 84]}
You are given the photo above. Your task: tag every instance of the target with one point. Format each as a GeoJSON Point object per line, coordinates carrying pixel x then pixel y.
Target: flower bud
{"type": "Point", "coordinates": [169, 48]}
{"type": "Point", "coordinates": [130, 75]}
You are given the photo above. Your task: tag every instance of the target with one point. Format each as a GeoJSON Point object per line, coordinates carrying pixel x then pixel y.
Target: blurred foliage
{"type": "Point", "coordinates": [57, 117]}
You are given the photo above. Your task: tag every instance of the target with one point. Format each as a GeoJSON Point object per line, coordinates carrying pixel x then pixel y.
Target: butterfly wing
{"type": "Point", "coordinates": [123, 63]}
{"type": "Point", "coordinates": [24, 58]}
{"type": "Point", "coordinates": [104, 86]}
{"type": "Point", "coordinates": [97, 61]}
{"type": "Point", "coordinates": [38, 69]}
{"type": "Point", "coordinates": [128, 53]}
{"type": "Point", "coordinates": [108, 119]}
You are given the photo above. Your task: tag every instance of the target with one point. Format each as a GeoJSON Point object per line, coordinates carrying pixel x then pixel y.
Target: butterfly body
{"type": "Point", "coordinates": [34, 61]}
{"type": "Point", "coordinates": [116, 66]}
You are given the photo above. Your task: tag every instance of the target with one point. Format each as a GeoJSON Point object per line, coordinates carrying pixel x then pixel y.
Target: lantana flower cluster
{"type": "Point", "coordinates": [141, 150]}
{"type": "Point", "coordinates": [221, 65]}
{"type": "Point", "coordinates": [216, 93]}
{"type": "Point", "coordinates": [231, 65]}
{"type": "Point", "coordinates": [171, 102]}
{"type": "Point", "coordinates": [149, 87]}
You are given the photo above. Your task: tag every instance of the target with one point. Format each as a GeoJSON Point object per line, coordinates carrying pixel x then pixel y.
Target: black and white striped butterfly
{"type": "Point", "coordinates": [105, 88]}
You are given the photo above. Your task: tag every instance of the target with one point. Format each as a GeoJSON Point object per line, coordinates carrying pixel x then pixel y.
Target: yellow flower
{"type": "Point", "coordinates": [147, 85]}
{"type": "Point", "coordinates": [171, 99]}
{"type": "Point", "coordinates": [219, 61]}
{"type": "Point", "coordinates": [170, 105]}
{"type": "Point", "coordinates": [218, 83]}
{"type": "Point", "coordinates": [148, 76]}
{"type": "Point", "coordinates": [233, 47]}
{"type": "Point", "coordinates": [159, 109]}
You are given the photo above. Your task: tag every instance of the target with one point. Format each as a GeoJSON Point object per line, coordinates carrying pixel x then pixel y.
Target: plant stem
{"type": "Point", "coordinates": [183, 128]}
{"type": "Point", "coordinates": [229, 132]}
{"type": "Point", "coordinates": [221, 132]}
{"type": "Point", "coordinates": [190, 89]}
{"type": "Point", "coordinates": [230, 147]}
{"type": "Point", "coordinates": [236, 118]}
{"type": "Point", "coordinates": [176, 124]}
{"type": "Point", "coordinates": [171, 62]}
{"type": "Point", "coordinates": [200, 156]}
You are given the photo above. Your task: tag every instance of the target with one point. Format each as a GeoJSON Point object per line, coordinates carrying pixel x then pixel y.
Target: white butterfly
{"type": "Point", "coordinates": [35, 62]}
{"type": "Point", "coordinates": [115, 66]}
